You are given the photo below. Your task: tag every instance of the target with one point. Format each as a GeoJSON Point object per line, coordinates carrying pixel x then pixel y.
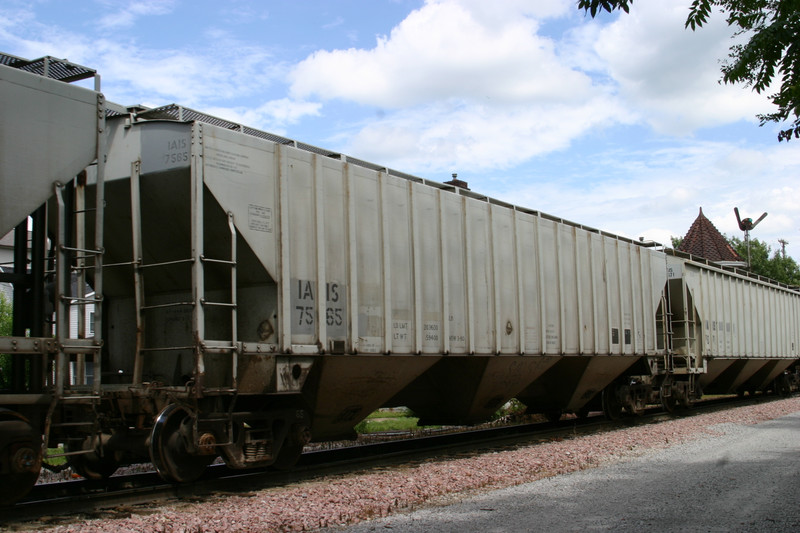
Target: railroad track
{"type": "Point", "coordinates": [52, 503]}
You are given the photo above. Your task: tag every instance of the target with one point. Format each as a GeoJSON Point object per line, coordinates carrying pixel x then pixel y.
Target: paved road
{"type": "Point", "coordinates": [746, 480]}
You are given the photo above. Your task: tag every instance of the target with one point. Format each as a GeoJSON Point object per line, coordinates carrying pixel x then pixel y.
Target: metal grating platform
{"type": "Point", "coordinates": [50, 67]}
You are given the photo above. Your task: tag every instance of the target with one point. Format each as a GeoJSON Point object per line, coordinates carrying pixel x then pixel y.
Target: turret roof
{"type": "Point", "coordinates": [705, 240]}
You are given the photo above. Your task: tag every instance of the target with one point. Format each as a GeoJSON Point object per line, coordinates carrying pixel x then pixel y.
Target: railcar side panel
{"type": "Point", "coordinates": [568, 284]}
{"type": "Point", "coordinates": [454, 258]}
{"type": "Point", "coordinates": [550, 283]}
{"type": "Point", "coordinates": [584, 288]}
{"type": "Point", "coordinates": [480, 278]}
{"type": "Point", "coordinates": [370, 263]}
{"type": "Point", "coordinates": [600, 314]}
{"type": "Point", "coordinates": [530, 293]}
{"type": "Point", "coordinates": [507, 287]}
{"type": "Point", "coordinates": [429, 263]}
{"type": "Point", "coordinates": [333, 228]}
{"type": "Point", "coordinates": [301, 259]}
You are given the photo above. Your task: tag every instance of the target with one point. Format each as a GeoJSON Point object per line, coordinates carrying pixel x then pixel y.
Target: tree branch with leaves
{"type": "Point", "coordinates": [770, 56]}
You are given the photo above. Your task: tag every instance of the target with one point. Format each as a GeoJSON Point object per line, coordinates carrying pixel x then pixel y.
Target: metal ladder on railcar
{"type": "Point", "coordinates": [680, 354]}
{"type": "Point", "coordinates": [688, 358]}
{"type": "Point", "coordinates": [664, 364]}
{"type": "Point", "coordinates": [69, 379]}
{"type": "Point", "coordinates": [197, 262]}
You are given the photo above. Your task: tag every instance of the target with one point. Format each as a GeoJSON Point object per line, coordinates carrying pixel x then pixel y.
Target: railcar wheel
{"type": "Point", "coordinates": [782, 386]}
{"type": "Point", "coordinates": [669, 400]}
{"type": "Point", "coordinates": [612, 407]}
{"type": "Point", "coordinates": [97, 464]}
{"type": "Point", "coordinates": [670, 404]}
{"type": "Point", "coordinates": [635, 403]}
{"type": "Point", "coordinates": [636, 409]}
{"type": "Point", "coordinates": [553, 415]}
{"type": "Point", "coordinates": [170, 444]}
{"type": "Point", "coordinates": [287, 456]}
{"type": "Point", "coordinates": [292, 447]}
{"type": "Point", "coordinates": [20, 456]}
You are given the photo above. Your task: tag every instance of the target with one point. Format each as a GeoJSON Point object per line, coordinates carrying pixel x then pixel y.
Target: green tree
{"type": "Point", "coordinates": [772, 53]}
{"type": "Point", "coordinates": [764, 262]}
{"type": "Point", "coordinates": [5, 315]}
{"type": "Point", "coordinates": [5, 330]}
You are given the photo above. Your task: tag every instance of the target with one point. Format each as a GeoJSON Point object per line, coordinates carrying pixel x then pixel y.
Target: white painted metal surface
{"type": "Point", "coordinates": [389, 265]}
{"type": "Point", "coordinates": [368, 262]}
{"type": "Point", "coordinates": [51, 128]}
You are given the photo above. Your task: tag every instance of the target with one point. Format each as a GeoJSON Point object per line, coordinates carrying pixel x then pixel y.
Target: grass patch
{"type": "Point", "coordinates": [55, 461]}
{"type": "Point", "coordinates": [395, 412]}
{"type": "Point", "coordinates": [403, 418]}
{"type": "Point", "coordinates": [512, 408]}
{"type": "Point", "coordinates": [372, 425]}
{"type": "Point", "coordinates": [394, 419]}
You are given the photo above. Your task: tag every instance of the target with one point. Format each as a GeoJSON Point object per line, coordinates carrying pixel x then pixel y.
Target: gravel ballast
{"type": "Point", "coordinates": [348, 499]}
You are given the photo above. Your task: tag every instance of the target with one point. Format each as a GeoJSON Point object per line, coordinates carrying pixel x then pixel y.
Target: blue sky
{"type": "Point", "coordinates": [618, 123]}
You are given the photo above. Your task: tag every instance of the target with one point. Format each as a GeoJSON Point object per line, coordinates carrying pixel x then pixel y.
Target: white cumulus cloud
{"type": "Point", "coordinates": [125, 14]}
{"type": "Point", "coordinates": [669, 74]}
{"type": "Point", "coordinates": [461, 84]}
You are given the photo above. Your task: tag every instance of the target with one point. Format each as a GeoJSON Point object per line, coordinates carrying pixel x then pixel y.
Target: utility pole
{"type": "Point", "coordinates": [783, 242]}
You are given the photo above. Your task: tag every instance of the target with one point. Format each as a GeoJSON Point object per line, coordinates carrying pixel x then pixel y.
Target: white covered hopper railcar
{"type": "Point", "coordinates": [249, 293]}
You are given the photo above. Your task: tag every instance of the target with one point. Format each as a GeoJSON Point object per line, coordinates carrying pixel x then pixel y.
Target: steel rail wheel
{"type": "Point", "coordinates": [288, 456]}
{"type": "Point", "coordinates": [553, 415]}
{"type": "Point", "coordinates": [170, 444]}
{"type": "Point", "coordinates": [99, 463]}
{"type": "Point", "coordinates": [612, 407]}
{"type": "Point", "coordinates": [635, 404]}
{"type": "Point", "coordinates": [292, 447]}
{"type": "Point", "coordinates": [20, 456]}
{"type": "Point", "coordinates": [668, 396]}
{"type": "Point", "coordinates": [782, 386]}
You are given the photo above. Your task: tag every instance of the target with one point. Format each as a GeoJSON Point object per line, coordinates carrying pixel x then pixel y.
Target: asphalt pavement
{"type": "Point", "coordinates": [746, 480]}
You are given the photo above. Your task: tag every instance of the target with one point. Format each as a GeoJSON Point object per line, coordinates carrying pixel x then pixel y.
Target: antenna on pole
{"type": "Point", "coordinates": [746, 225]}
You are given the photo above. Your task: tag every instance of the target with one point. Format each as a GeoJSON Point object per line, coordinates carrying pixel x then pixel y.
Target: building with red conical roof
{"type": "Point", "coordinates": [704, 240]}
